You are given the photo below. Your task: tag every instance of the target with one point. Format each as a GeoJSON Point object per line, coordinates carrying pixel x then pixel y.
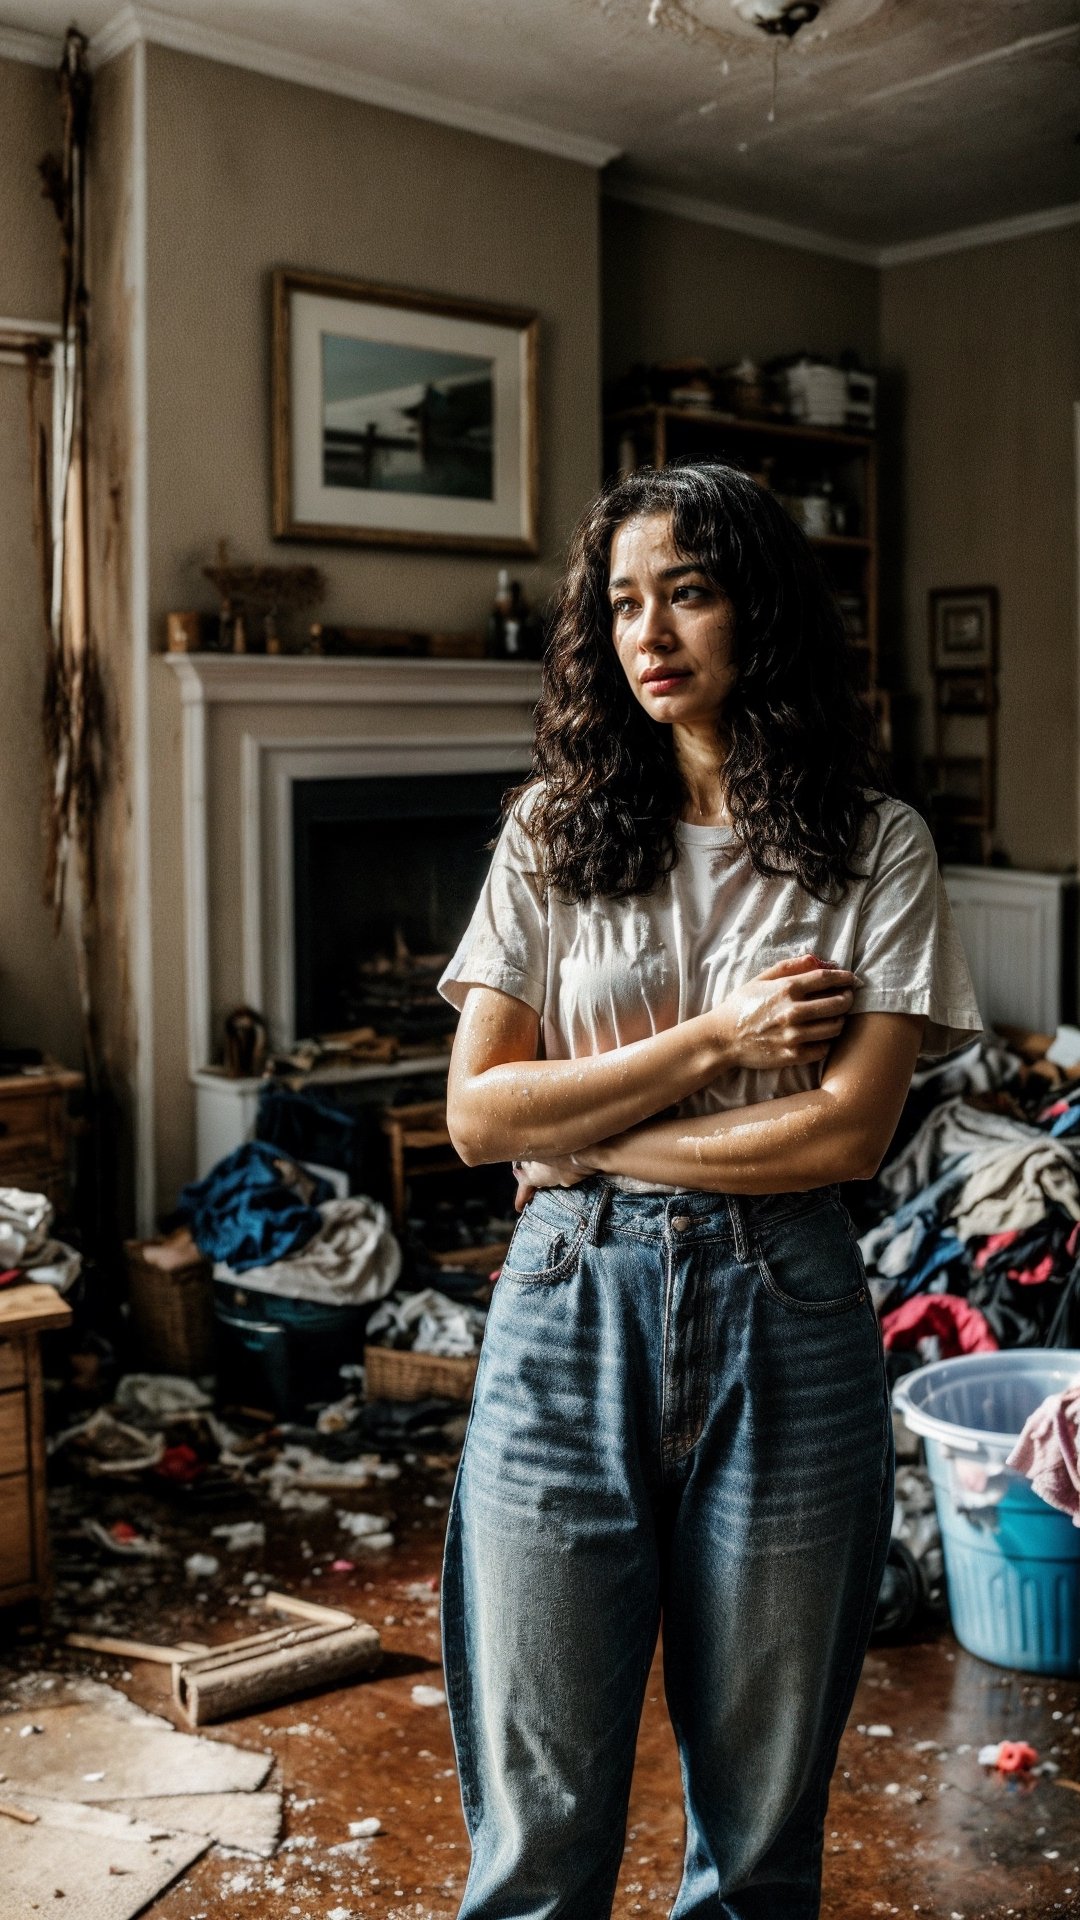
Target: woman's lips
{"type": "Point", "coordinates": [665, 683]}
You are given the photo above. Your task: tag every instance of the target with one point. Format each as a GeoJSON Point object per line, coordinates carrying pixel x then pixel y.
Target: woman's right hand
{"type": "Point", "coordinates": [789, 1015]}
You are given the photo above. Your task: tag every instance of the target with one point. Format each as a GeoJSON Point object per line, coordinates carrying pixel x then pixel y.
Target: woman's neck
{"type": "Point", "coordinates": [700, 760]}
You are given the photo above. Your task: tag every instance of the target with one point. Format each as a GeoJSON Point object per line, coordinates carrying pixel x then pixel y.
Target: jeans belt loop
{"type": "Point", "coordinates": [596, 1217]}
{"type": "Point", "coordinates": [739, 1225]}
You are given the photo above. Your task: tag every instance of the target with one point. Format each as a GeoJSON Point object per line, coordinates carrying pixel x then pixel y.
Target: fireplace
{"type": "Point", "coordinates": [386, 871]}
{"type": "Point", "coordinates": [291, 766]}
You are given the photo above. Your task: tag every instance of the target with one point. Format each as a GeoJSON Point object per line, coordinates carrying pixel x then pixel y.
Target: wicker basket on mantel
{"type": "Point", "coordinates": [396, 1373]}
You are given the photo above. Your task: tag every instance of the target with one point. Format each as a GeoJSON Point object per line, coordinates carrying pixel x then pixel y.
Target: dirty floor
{"type": "Point", "coordinates": [915, 1825]}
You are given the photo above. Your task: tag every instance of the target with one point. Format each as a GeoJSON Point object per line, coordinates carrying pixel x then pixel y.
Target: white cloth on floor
{"type": "Point", "coordinates": [427, 1322]}
{"type": "Point", "coordinates": [351, 1259]}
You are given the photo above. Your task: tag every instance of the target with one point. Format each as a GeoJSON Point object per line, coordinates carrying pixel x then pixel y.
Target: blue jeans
{"type": "Point", "coordinates": [681, 1413]}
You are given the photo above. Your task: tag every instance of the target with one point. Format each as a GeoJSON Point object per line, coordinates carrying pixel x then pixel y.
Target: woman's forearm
{"type": "Point", "coordinates": [787, 1145]}
{"type": "Point", "coordinates": [542, 1109]}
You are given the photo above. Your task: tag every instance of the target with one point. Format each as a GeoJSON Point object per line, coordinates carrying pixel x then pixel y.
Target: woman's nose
{"type": "Point", "coordinates": [655, 627]}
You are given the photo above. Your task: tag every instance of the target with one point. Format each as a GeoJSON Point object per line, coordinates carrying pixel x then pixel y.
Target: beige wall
{"type": "Point", "coordinates": [38, 999]}
{"type": "Point", "coordinates": [677, 289]}
{"type": "Point", "coordinates": [984, 346]}
{"type": "Point", "coordinates": [248, 173]}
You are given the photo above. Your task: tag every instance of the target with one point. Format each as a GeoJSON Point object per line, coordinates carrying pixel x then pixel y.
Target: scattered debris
{"type": "Point", "coordinates": [201, 1566]}
{"type": "Point", "coordinates": [299, 1500]}
{"type": "Point", "coordinates": [1008, 1756]}
{"type": "Point", "coordinates": [369, 1530]}
{"type": "Point", "coordinates": [124, 1540]}
{"type": "Point", "coordinates": [241, 1536]}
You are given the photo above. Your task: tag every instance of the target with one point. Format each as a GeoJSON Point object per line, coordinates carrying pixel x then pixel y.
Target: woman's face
{"type": "Point", "coordinates": [674, 631]}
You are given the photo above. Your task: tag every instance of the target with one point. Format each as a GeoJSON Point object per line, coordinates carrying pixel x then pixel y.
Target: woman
{"type": "Point", "coordinates": [706, 957]}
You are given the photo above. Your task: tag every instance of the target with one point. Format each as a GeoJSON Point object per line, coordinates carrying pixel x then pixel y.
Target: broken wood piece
{"type": "Point", "coordinates": [217, 1686]}
{"type": "Point", "coordinates": [256, 1644]}
{"type": "Point", "coordinates": [309, 1609]}
{"type": "Point", "coordinates": [135, 1649]}
{"type": "Point", "coordinates": [19, 1813]}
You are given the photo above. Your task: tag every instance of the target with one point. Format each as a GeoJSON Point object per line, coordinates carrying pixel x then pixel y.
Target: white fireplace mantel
{"type": "Point", "coordinates": [500, 695]}
{"type": "Point", "coordinates": [291, 679]}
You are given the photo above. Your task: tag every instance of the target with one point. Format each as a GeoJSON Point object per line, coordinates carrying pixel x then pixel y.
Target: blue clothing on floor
{"type": "Point", "coordinates": [256, 1206]}
{"type": "Point", "coordinates": [681, 1414]}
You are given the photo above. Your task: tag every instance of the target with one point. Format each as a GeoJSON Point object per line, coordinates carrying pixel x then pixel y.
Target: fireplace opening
{"type": "Point", "coordinates": [386, 874]}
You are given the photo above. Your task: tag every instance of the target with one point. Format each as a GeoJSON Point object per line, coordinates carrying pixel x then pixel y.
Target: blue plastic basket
{"type": "Point", "coordinates": [1012, 1563]}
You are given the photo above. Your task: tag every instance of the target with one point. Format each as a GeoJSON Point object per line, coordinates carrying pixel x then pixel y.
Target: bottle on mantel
{"type": "Point", "coordinates": [514, 630]}
{"type": "Point", "coordinates": [504, 610]}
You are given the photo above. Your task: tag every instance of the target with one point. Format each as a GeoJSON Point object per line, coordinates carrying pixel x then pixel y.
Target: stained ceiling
{"type": "Point", "coordinates": [924, 117]}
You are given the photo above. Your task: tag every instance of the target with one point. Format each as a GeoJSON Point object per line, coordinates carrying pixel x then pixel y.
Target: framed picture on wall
{"type": "Point", "coordinates": [401, 418]}
{"type": "Point", "coordinates": [963, 629]}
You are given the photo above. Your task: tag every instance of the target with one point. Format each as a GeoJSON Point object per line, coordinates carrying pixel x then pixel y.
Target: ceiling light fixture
{"type": "Point", "coordinates": [785, 17]}
{"type": "Point", "coordinates": [777, 20]}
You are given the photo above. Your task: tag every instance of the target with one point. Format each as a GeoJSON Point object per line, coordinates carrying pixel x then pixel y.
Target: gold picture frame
{"type": "Point", "coordinates": [401, 418]}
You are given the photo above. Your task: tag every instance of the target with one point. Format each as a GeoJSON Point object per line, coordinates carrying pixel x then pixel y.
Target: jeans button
{"type": "Point", "coordinates": [680, 1223]}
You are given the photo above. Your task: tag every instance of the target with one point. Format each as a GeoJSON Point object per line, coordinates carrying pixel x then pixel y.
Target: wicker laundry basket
{"type": "Point", "coordinates": [173, 1311]}
{"type": "Point", "coordinates": [395, 1373]}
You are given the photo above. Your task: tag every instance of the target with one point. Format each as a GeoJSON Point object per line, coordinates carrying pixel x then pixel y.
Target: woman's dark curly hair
{"type": "Point", "coordinates": [800, 769]}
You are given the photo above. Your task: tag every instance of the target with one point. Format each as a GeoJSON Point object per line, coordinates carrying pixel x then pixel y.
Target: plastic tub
{"type": "Point", "coordinates": [1012, 1563]}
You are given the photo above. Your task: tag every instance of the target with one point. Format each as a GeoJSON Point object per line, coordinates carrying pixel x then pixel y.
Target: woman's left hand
{"type": "Point", "coordinates": [531, 1174]}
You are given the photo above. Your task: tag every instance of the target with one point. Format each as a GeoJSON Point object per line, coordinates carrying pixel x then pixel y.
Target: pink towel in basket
{"type": "Point", "coordinates": [1048, 1451]}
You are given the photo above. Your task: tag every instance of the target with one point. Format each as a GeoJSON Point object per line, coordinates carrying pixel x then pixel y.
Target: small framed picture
{"type": "Point", "coordinates": [963, 693]}
{"type": "Point", "coordinates": [401, 418]}
{"type": "Point", "coordinates": [963, 629]}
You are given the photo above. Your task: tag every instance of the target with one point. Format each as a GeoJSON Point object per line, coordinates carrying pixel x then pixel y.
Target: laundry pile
{"type": "Point", "coordinates": [977, 1241]}
{"type": "Point", "coordinates": [285, 1226]}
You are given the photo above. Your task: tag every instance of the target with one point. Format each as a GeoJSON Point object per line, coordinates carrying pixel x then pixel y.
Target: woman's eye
{"type": "Point", "coordinates": [621, 606]}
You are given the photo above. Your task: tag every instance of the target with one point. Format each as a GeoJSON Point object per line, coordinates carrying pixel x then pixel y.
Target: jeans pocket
{"type": "Point", "coordinates": [544, 1247]}
{"type": "Point", "coordinates": [809, 1262]}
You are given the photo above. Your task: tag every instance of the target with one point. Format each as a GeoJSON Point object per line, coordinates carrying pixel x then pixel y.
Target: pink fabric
{"type": "Point", "coordinates": [1047, 1452]}
{"type": "Point", "coordinates": [959, 1327]}
{"type": "Point", "coordinates": [993, 1244]}
{"type": "Point", "coordinates": [1033, 1276]}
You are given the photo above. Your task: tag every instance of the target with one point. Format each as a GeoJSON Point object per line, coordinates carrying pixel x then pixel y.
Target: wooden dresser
{"type": "Point", "coordinates": [26, 1312]}
{"type": "Point", "coordinates": [36, 1129]}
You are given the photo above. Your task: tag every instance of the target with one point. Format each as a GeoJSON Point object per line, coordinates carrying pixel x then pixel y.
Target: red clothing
{"type": "Point", "coordinates": [959, 1327]}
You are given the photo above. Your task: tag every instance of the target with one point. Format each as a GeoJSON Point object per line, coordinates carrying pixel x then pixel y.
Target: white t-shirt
{"type": "Point", "coordinates": [608, 972]}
